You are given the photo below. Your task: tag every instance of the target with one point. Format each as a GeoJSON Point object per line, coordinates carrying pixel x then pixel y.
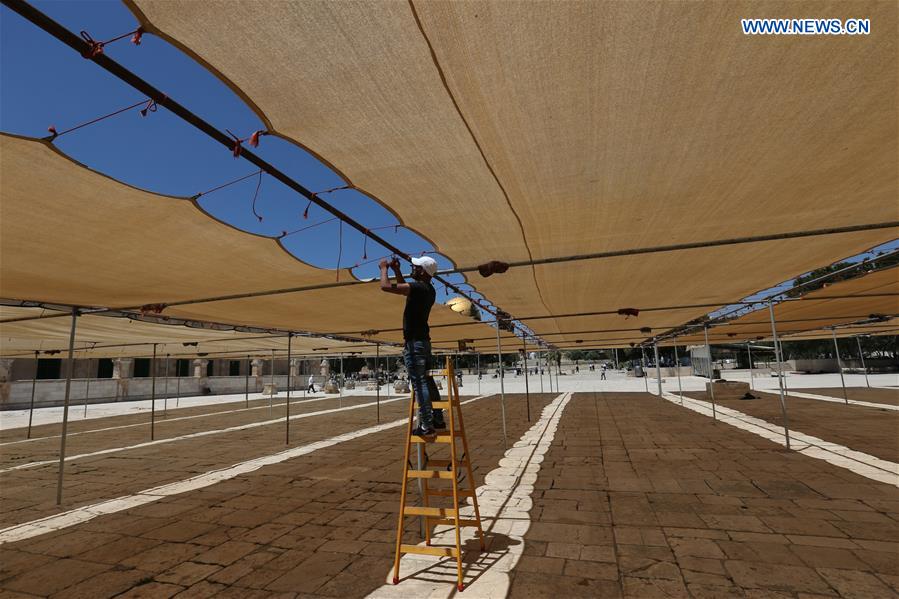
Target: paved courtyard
{"type": "Point", "coordinates": [600, 494]}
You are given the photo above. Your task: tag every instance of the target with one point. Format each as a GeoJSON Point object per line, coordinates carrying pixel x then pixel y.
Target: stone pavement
{"type": "Point", "coordinates": [31, 493]}
{"type": "Point", "coordinates": [640, 498]}
{"type": "Point", "coordinates": [869, 430]}
{"type": "Point", "coordinates": [635, 496]}
{"type": "Point", "coordinates": [875, 395]}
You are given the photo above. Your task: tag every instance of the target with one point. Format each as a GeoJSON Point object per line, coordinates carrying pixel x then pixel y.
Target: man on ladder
{"type": "Point", "coordinates": [420, 295]}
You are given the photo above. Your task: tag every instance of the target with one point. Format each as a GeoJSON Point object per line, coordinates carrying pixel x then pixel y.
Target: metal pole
{"type": "Point", "coordinates": [165, 402]}
{"type": "Point", "coordinates": [502, 385]}
{"type": "Point", "coordinates": [33, 384]}
{"type": "Point", "coordinates": [87, 391]}
{"type": "Point", "coordinates": [643, 364]}
{"type": "Point", "coordinates": [340, 383]}
{"type": "Point", "coordinates": [777, 358]}
{"type": "Point", "coordinates": [246, 393]}
{"type": "Point", "coordinates": [65, 410]}
{"type": "Point", "coordinates": [862, 356]}
{"type": "Point", "coordinates": [680, 390]}
{"type": "Point", "coordinates": [177, 386]}
{"type": "Point", "coordinates": [836, 349]}
{"type": "Point", "coordinates": [153, 395]}
{"type": "Point", "coordinates": [615, 349]}
{"type": "Point", "coordinates": [751, 382]}
{"type": "Point", "coordinates": [479, 373]}
{"type": "Point", "coordinates": [540, 368]}
{"type": "Point", "coordinates": [527, 391]}
{"type": "Point", "coordinates": [287, 413]}
{"type": "Point", "coordinates": [378, 384]}
{"type": "Point", "coordinates": [272, 394]}
{"type": "Point", "coordinates": [711, 375]}
{"type": "Point", "coordinates": [658, 368]}
{"type": "Point", "coordinates": [780, 348]}
{"type": "Point", "coordinates": [558, 369]}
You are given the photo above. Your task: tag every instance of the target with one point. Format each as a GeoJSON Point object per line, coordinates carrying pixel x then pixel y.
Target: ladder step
{"type": "Point", "coordinates": [448, 492]}
{"type": "Point", "coordinates": [429, 474]}
{"type": "Point", "coordinates": [433, 512]}
{"type": "Point", "coordinates": [452, 522]}
{"type": "Point", "coordinates": [442, 438]}
{"type": "Point", "coordinates": [444, 405]}
{"type": "Point", "coordinates": [439, 551]}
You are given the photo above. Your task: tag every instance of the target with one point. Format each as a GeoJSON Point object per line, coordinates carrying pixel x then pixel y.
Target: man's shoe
{"type": "Point", "coordinates": [420, 431]}
{"type": "Point", "coordinates": [439, 423]}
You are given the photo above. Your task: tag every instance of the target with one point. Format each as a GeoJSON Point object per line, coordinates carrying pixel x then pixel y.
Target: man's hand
{"type": "Point", "coordinates": [395, 264]}
{"type": "Point", "coordinates": [384, 263]}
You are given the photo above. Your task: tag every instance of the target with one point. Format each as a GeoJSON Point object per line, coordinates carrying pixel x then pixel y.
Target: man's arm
{"type": "Point", "coordinates": [400, 287]}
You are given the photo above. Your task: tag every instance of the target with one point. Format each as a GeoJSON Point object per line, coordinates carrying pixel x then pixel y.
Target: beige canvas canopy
{"type": "Point", "coordinates": [100, 336]}
{"type": "Point", "coordinates": [528, 130]}
{"type": "Point", "coordinates": [71, 236]}
{"type": "Point", "coordinates": [837, 304]}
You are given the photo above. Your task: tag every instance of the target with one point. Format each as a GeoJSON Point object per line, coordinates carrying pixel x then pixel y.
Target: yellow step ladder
{"type": "Point", "coordinates": [435, 471]}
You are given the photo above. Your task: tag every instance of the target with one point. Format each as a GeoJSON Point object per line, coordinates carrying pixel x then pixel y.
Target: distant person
{"type": "Point", "coordinates": [602, 373]}
{"type": "Point", "coordinates": [420, 295]}
{"type": "Point", "coordinates": [311, 384]}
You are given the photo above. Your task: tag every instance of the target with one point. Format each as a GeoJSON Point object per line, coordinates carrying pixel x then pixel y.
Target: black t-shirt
{"type": "Point", "coordinates": [418, 307]}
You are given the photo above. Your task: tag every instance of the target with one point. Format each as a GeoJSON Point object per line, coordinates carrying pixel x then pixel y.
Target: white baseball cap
{"type": "Point", "coordinates": [427, 263]}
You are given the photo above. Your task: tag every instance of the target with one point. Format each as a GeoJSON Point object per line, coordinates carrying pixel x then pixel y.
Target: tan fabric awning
{"type": "Point", "coordinates": [106, 336]}
{"type": "Point", "coordinates": [71, 236]}
{"type": "Point", "coordinates": [803, 318]}
{"type": "Point", "coordinates": [517, 130]}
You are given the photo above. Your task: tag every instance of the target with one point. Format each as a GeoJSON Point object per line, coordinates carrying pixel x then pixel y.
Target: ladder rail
{"type": "Point", "coordinates": [450, 388]}
{"type": "Point", "coordinates": [432, 515]}
{"type": "Point", "coordinates": [467, 458]}
{"type": "Point", "coordinates": [399, 526]}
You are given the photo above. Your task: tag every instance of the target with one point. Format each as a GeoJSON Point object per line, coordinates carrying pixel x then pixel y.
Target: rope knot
{"type": "Point", "coordinates": [94, 48]}
{"type": "Point", "coordinates": [137, 37]}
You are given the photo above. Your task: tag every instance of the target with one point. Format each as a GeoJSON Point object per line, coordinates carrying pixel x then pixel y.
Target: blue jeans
{"type": "Point", "coordinates": [417, 358]}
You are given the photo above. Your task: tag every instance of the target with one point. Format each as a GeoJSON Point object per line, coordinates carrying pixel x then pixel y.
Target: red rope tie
{"type": "Point", "coordinates": [95, 48]}
{"type": "Point", "coordinates": [149, 105]}
{"type": "Point", "coordinates": [224, 185]}
{"type": "Point", "coordinates": [365, 245]}
{"type": "Point", "coordinates": [339, 247]}
{"type": "Point", "coordinates": [306, 211]}
{"type": "Point", "coordinates": [256, 196]}
{"type": "Point", "coordinates": [253, 139]}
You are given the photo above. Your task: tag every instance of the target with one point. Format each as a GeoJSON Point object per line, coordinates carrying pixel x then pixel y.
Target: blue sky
{"type": "Point", "coordinates": [43, 83]}
{"type": "Point", "coordinates": [49, 84]}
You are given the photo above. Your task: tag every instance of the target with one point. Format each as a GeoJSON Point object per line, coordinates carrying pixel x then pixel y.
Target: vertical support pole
{"type": "Point", "coordinates": [287, 412]}
{"type": "Point", "coordinates": [711, 374]}
{"type": "Point", "coordinates": [33, 384]}
{"type": "Point", "coordinates": [340, 382]}
{"type": "Point", "coordinates": [153, 395]}
{"type": "Point", "coordinates": [540, 368]}
{"type": "Point", "coordinates": [165, 403]}
{"type": "Point", "coordinates": [658, 367]}
{"type": "Point", "coordinates": [479, 372]}
{"type": "Point", "coordinates": [860, 355]}
{"type": "Point", "coordinates": [65, 411]}
{"type": "Point", "coordinates": [680, 389]}
{"type": "Point", "coordinates": [502, 385]}
{"type": "Point", "coordinates": [272, 394]}
{"type": "Point", "coordinates": [87, 390]}
{"type": "Point", "coordinates": [643, 364]}
{"type": "Point", "coordinates": [378, 385]}
{"type": "Point", "coordinates": [177, 385]}
{"type": "Point", "coordinates": [751, 381]}
{"type": "Point", "coordinates": [777, 358]}
{"type": "Point", "coordinates": [246, 392]}
{"type": "Point", "coordinates": [527, 391]}
{"type": "Point", "coordinates": [783, 358]}
{"type": "Point", "coordinates": [836, 349]}
{"type": "Point", "coordinates": [558, 369]}
{"type": "Point", "coordinates": [615, 349]}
